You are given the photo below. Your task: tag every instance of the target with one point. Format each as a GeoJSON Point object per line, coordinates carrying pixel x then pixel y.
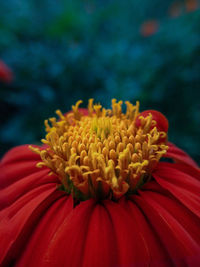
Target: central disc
{"type": "Point", "coordinates": [102, 154]}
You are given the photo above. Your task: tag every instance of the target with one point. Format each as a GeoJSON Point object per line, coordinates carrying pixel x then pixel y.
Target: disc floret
{"type": "Point", "coordinates": [104, 154]}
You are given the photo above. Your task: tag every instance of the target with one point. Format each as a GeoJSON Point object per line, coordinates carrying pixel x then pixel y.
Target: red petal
{"type": "Point", "coordinates": [172, 223]}
{"type": "Point", "coordinates": [188, 169]}
{"type": "Point", "coordinates": [180, 212]}
{"type": "Point", "coordinates": [137, 243]}
{"type": "Point", "coordinates": [27, 193]}
{"type": "Point", "coordinates": [11, 193]}
{"type": "Point", "coordinates": [18, 221]}
{"type": "Point", "coordinates": [179, 155]}
{"type": "Point", "coordinates": [67, 246]}
{"type": "Point", "coordinates": [162, 122]}
{"type": "Point", "coordinates": [105, 234]}
{"type": "Point", "coordinates": [100, 248]}
{"type": "Point", "coordinates": [183, 186]}
{"type": "Point", "coordinates": [20, 153]}
{"type": "Point", "coordinates": [19, 175]}
{"type": "Point", "coordinates": [44, 232]}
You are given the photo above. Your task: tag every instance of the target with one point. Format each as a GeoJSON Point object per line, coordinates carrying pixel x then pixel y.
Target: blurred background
{"type": "Point", "coordinates": [53, 53]}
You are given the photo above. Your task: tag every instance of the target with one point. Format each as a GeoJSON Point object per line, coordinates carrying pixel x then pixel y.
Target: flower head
{"type": "Point", "coordinates": [104, 154]}
{"type": "Point", "coordinates": [109, 199]}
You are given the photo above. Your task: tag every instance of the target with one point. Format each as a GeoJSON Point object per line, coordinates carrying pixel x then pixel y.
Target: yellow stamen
{"type": "Point", "coordinates": [103, 153]}
{"type": "Point", "coordinates": [77, 114]}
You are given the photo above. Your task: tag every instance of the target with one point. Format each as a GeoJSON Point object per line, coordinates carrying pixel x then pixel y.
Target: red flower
{"type": "Point", "coordinates": [191, 5]}
{"type": "Point", "coordinates": [5, 73]}
{"type": "Point", "coordinates": [43, 225]}
{"type": "Point", "coordinates": [149, 27]}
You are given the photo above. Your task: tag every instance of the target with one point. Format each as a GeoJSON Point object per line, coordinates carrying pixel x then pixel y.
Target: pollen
{"type": "Point", "coordinates": [104, 154]}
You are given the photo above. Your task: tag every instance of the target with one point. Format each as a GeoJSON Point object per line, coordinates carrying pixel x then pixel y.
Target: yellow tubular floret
{"type": "Point", "coordinates": [102, 153]}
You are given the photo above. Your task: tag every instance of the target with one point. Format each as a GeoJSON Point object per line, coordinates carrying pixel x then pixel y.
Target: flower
{"type": "Point", "coordinates": [149, 27]}
{"type": "Point", "coordinates": [98, 193]}
{"type": "Point", "coordinates": [6, 74]}
{"type": "Point", "coordinates": [191, 5]}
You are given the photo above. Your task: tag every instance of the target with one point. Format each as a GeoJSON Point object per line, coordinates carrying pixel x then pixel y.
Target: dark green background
{"type": "Point", "coordinates": [62, 51]}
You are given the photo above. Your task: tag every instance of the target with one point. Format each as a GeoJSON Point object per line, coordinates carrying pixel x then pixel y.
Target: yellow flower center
{"type": "Point", "coordinates": [103, 154]}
